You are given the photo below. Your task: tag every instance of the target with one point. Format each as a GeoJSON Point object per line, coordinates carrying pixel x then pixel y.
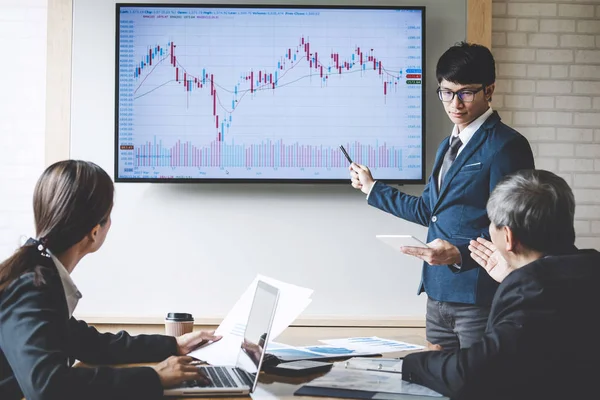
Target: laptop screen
{"type": "Point", "coordinates": [258, 329]}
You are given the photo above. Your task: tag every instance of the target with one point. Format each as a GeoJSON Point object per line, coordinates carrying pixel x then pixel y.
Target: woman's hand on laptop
{"type": "Point", "coordinates": [175, 370]}
{"type": "Point", "coordinates": [191, 341]}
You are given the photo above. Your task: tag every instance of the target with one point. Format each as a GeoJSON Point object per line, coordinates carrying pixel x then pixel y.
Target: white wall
{"type": "Point", "coordinates": [22, 112]}
{"type": "Point", "coordinates": [196, 247]}
{"type": "Point", "coordinates": [548, 56]}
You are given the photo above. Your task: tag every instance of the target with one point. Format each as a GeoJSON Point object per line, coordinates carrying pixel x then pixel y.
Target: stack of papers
{"type": "Point", "coordinates": [293, 300]}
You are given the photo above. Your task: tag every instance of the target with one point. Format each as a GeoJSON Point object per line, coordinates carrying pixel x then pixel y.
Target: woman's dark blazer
{"type": "Point", "coordinates": [39, 343]}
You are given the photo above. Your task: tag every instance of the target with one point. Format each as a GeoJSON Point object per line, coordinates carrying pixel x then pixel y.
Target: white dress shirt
{"type": "Point", "coordinates": [71, 293]}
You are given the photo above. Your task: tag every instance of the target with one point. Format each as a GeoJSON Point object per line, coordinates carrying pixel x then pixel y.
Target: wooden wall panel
{"type": "Point", "coordinates": [479, 22]}
{"type": "Point", "coordinates": [58, 80]}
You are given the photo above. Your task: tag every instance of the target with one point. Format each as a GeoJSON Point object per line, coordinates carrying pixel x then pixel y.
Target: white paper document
{"type": "Point", "coordinates": [261, 393]}
{"type": "Point", "coordinates": [292, 301]}
{"type": "Point", "coordinates": [285, 351]}
{"type": "Point", "coordinates": [370, 381]}
{"type": "Point", "coordinates": [373, 344]}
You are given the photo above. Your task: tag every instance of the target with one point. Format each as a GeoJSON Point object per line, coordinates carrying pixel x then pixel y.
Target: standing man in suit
{"type": "Point", "coordinates": [535, 344]}
{"type": "Point", "coordinates": [468, 165]}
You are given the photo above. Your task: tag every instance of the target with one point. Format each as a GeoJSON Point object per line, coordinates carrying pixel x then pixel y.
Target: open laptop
{"type": "Point", "coordinates": [241, 379]}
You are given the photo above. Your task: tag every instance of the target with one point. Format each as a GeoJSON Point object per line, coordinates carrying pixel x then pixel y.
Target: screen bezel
{"type": "Point", "coordinates": [266, 180]}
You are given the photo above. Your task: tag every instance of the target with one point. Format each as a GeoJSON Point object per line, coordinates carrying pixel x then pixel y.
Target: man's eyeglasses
{"type": "Point", "coordinates": [464, 95]}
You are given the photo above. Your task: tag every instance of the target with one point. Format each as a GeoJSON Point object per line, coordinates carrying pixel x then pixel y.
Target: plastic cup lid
{"type": "Point", "coordinates": [180, 317]}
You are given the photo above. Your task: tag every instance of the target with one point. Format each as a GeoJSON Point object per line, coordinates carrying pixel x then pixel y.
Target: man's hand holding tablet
{"type": "Point", "coordinates": [436, 252]}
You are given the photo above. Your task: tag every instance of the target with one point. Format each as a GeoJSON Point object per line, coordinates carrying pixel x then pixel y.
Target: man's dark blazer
{"type": "Point", "coordinates": [540, 341]}
{"type": "Point", "coordinates": [457, 212]}
{"type": "Point", "coordinates": [39, 343]}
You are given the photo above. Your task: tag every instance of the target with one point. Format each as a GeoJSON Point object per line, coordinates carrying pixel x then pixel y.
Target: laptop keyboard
{"type": "Point", "coordinates": [220, 378]}
{"type": "Point", "coordinates": [245, 377]}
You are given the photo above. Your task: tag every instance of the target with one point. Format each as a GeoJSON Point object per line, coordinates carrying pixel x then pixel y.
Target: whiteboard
{"type": "Point", "coordinates": [195, 247]}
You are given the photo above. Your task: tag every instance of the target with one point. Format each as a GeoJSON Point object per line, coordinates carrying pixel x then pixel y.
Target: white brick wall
{"type": "Point", "coordinates": [22, 115]}
{"type": "Point", "coordinates": [548, 55]}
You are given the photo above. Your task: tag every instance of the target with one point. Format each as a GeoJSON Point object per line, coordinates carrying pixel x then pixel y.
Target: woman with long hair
{"type": "Point", "coordinates": [39, 337]}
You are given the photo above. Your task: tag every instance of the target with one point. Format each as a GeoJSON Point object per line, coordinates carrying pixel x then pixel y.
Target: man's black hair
{"type": "Point", "coordinates": [467, 63]}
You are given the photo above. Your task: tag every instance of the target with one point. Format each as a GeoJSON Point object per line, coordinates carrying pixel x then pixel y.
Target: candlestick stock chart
{"type": "Point", "coordinates": [268, 93]}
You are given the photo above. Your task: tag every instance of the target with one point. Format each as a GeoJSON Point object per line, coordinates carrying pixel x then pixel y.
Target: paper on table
{"type": "Point", "coordinates": [370, 381]}
{"type": "Point", "coordinates": [292, 301]}
{"type": "Point", "coordinates": [223, 352]}
{"type": "Point", "coordinates": [320, 351]}
{"type": "Point", "coordinates": [373, 344]}
{"type": "Point", "coordinates": [261, 393]}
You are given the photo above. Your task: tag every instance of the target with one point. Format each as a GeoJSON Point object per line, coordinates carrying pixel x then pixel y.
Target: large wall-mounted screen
{"type": "Point", "coordinates": [268, 93]}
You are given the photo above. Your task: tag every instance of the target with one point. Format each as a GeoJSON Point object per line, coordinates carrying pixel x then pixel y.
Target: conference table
{"type": "Point", "coordinates": [278, 387]}
{"type": "Point", "coordinates": [272, 387]}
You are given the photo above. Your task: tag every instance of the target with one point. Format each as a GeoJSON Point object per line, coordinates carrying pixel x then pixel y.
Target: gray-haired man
{"type": "Point", "coordinates": [534, 343]}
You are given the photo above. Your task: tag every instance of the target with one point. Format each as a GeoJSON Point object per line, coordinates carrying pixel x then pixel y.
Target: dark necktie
{"type": "Point", "coordinates": [450, 156]}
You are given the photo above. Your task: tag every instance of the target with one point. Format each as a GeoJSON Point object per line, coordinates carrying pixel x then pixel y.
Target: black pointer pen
{"type": "Point", "coordinates": [346, 154]}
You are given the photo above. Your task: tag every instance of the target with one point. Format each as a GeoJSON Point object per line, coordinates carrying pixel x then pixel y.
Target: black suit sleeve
{"type": "Point", "coordinates": [106, 348]}
{"type": "Point", "coordinates": [450, 373]}
{"type": "Point", "coordinates": [489, 364]}
{"type": "Point", "coordinates": [33, 329]}
{"type": "Point", "coordinates": [512, 157]}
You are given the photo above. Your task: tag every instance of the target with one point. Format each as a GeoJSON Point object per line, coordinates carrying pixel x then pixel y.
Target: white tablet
{"type": "Point", "coordinates": [397, 241]}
